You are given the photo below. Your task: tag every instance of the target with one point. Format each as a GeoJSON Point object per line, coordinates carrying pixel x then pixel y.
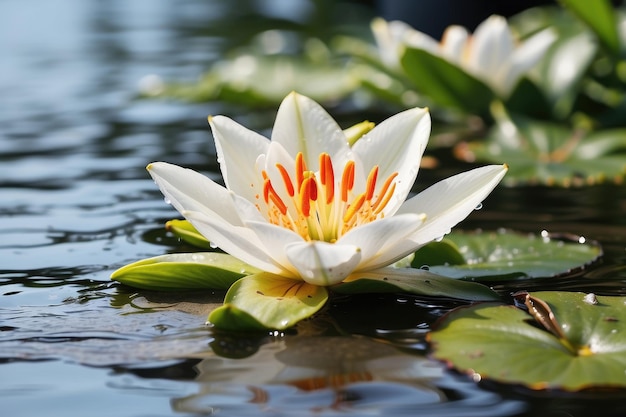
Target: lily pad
{"type": "Point", "coordinates": [184, 271]}
{"type": "Point", "coordinates": [414, 281]}
{"type": "Point", "coordinates": [549, 153]}
{"type": "Point", "coordinates": [268, 301]}
{"type": "Point", "coordinates": [505, 255]}
{"type": "Point", "coordinates": [501, 342]}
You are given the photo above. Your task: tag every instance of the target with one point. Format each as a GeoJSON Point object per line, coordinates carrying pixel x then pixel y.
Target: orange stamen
{"type": "Point", "coordinates": [327, 176]}
{"type": "Point", "coordinates": [347, 180]}
{"type": "Point", "coordinates": [354, 208]}
{"type": "Point", "coordinates": [308, 192]}
{"type": "Point", "coordinates": [279, 204]}
{"type": "Point", "coordinates": [385, 201]}
{"type": "Point", "coordinates": [383, 192]}
{"type": "Point", "coordinates": [312, 184]}
{"type": "Point", "coordinates": [370, 186]}
{"type": "Point", "coordinates": [270, 194]}
{"type": "Point", "coordinates": [312, 195]}
{"type": "Point", "coordinates": [300, 168]}
{"type": "Point", "coordinates": [286, 179]}
{"type": "Point", "coordinates": [266, 190]}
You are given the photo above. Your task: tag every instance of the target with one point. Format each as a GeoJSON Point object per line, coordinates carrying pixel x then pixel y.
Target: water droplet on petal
{"type": "Point", "coordinates": [479, 206]}
{"type": "Point", "coordinates": [425, 267]}
{"type": "Point", "coordinates": [582, 239]}
{"type": "Point", "coordinates": [167, 200]}
{"type": "Point", "coordinates": [213, 245]}
{"type": "Point", "coordinates": [439, 239]}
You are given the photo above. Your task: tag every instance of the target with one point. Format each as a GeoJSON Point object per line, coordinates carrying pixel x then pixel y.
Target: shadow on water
{"type": "Point", "coordinates": [76, 203]}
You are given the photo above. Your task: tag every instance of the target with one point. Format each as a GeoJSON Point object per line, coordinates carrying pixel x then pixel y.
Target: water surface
{"type": "Point", "coordinates": [76, 203]}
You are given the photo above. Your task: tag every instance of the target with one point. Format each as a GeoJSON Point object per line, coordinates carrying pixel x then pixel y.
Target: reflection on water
{"type": "Point", "coordinates": [333, 375]}
{"type": "Point", "coordinates": [76, 203]}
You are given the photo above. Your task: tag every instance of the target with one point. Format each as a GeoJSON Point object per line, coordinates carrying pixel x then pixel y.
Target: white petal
{"type": "Point", "coordinates": [526, 56]}
{"type": "Point", "coordinates": [237, 151]}
{"type": "Point", "coordinates": [454, 42]}
{"type": "Point", "coordinates": [187, 189]}
{"type": "Point", "coordinates": [275, 239]}
{"type": "Point", "coordinates": [323, 263]}
{"type": "Point", "coordinates": [377, 237]}
{"type": "Point", "coordinates": [277, 154]}
{"type": "Point", "coordinates": [390, 36]}
{"type": "Point", "coordinates": [492, 46]}
{"type": "Point", "coordinates": [449, 201]}
{"type": "Point", "coordinates": [240, 242]}
{"type": "Point", "coordinates": [304, 126]}
{"type": "Point", "coordinates": [419, 40]}
{"type": "Point", "coordinates": [386, 42]}
{"type": "Point", "coordinates": [396, 145]}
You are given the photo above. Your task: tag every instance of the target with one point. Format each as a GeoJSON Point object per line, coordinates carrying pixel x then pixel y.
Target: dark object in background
{"type": "Point", "coordinates": [433, 16]}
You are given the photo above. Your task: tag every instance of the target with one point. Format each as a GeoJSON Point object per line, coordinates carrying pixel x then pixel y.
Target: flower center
{"type": "Point", "coordinates": [322, 206]}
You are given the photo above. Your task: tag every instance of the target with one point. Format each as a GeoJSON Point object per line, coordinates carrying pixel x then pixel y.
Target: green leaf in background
{"type": "Point", "coordinates": [414, 281]}
{"type": "Point", "coordinates": [446, 84]}
{"type": "Point", "coordinates": [500, 343]}
{"type": "Point", "coordinates": [186, 232]}
{"type": "Point", "coordinates": [264, 80]}
{"type": "Point", "coordinates": [184, 271]}
{"type": "Point", "coordinates": [549, 153]}
{"type": "Point", "coordinates": [505, 255]}
{"type": "Point", "coordinates": [599, 15]}
{"type": "Point", "coordinates": [273, 301]}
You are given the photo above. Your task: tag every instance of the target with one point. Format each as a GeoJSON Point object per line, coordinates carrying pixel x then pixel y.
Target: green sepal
{"type": "Point", "coordinates": [184, 271]}
{"type": "Point", "coordinates": [273, 301]}
{"type": "Point", "coordinates": [186, 232]}
{"type": "Point", "coordinates": [230, 318]}
{"type": "Point", "coordinates": [355, 132]}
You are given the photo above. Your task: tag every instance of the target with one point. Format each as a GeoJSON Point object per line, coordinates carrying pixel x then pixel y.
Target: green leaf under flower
{"type": "Point", "coordinates": [268, 301]}
{"type": "Point", "coordinates": [505, 255]}
{"type": "Point", "coordinates": [184, 271]}
{"type": "Point", "coordinates": [501, 343]}
{"type": "Point", "coordinates": [414, 281]}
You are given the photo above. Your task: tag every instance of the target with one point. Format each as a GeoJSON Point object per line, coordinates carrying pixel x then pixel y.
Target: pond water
{"type": "Point", "coordinates": [76, 203]}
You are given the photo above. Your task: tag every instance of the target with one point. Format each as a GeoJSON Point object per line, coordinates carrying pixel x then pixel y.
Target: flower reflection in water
{"type": "Point", "coordinates": [314, 375]}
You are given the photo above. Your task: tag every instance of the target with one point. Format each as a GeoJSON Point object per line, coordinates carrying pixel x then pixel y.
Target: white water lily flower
{"type": "Point", "coordinates": [491, 54]}
{"type": "Point", "coordinates": [306, 205]}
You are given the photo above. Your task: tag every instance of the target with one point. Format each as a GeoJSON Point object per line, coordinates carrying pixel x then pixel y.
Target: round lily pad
{"type": "Point", "coordinates": [504, 343]}
{"type": "Point", "coordinates": [505, 255]}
